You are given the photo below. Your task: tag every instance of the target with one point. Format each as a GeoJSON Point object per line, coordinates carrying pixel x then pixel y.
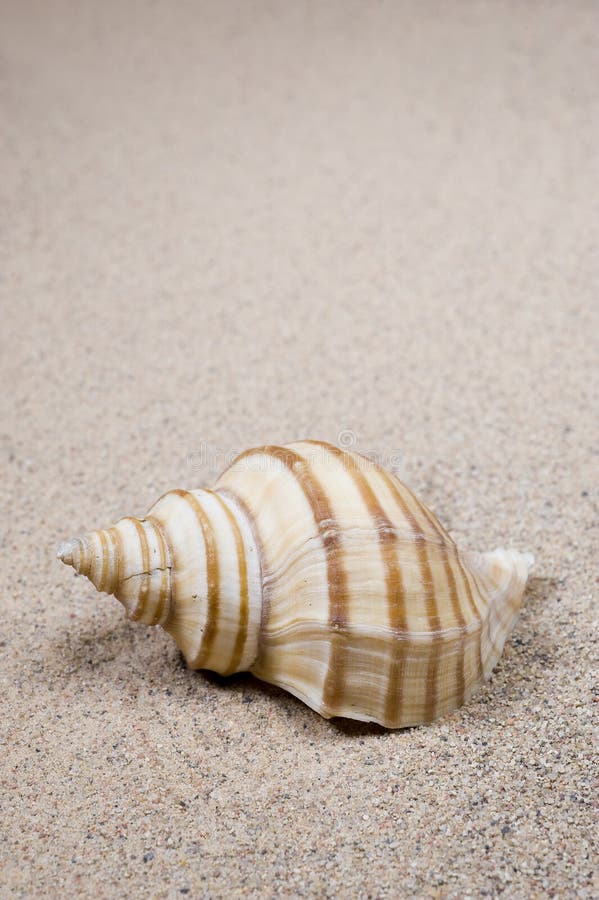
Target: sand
{"type": "Point", "coordinates": [230, 224]}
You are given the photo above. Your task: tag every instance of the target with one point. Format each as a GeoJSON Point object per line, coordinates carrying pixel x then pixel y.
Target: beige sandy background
{"type": "Point", "coordinates": [225, 224]}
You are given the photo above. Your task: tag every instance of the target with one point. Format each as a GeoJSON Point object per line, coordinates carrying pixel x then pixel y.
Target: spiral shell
{"type": "Point", "coordinates": [320, 572]}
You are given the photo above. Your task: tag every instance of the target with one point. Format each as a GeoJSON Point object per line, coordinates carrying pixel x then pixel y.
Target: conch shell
{"type": "Point", "coordinates": [318, 571]}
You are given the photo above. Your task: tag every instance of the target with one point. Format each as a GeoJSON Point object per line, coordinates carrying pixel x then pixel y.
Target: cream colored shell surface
{"type": "Point", "coordinates": [369, 609]}
{"type": "Point", "coordinates": [320, 572]}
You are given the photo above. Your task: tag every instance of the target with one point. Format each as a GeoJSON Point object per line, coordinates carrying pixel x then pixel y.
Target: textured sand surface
{"type": "Point", "coordinates": [229, 224]}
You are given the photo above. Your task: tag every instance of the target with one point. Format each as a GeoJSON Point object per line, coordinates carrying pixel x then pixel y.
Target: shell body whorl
{"type": "Point", "coordinates": [320, 572]}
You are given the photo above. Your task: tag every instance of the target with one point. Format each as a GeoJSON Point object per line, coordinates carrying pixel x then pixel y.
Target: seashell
{"type": "Point", "coordinates": [318, 571]}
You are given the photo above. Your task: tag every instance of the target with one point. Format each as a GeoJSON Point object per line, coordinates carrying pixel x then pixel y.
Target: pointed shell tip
{"type": "Point", "coordinates": [65, 552]}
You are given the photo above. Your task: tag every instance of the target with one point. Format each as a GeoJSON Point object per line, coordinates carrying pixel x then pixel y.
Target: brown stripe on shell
{"type": "Point", "coordinates": [338, 590]}
{"type": "Point", "coordinates": [450, 547]}
{"type": "Point", "coordinates": [396, 488]}
{"type": "Point", "coordinates": [85, 557]}
{"type": "Point", "coordinates": [250, 518]}
{"type": "Point", "coordinates": [394, 585]}
{"type": "Point", "coordinates": [212, 577]}
{"type": "Point", "coordinates": [115, 570]}
{"type": "Point", "coordinates": [102, 582]}
{"type": "Point", "coordinates": [430, 601]}
{"type": "Point", "coordinates": [162, 609]}
{"type": "Point", "coordinates": [451, 558]}
{"type": "Point", "coordinates": [451, 544]}
{"type": "Point", "coordinates": [145, 568]}
{"type": "Point", "coordinates": [437, 526]}
{"type": "Point", "coordinates": [244, 601]}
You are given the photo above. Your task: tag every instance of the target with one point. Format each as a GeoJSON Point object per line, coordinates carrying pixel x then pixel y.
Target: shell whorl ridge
{"type": "Point", "coordinates": [319, 571]}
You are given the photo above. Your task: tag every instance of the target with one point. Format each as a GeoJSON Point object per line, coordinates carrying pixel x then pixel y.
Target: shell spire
{"type": "Point", "coordinates": [190, 565]}
{"type": "Point", "coordinates": [130, 560]}
{"type": "Point", "coordinates": [318, 571]}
